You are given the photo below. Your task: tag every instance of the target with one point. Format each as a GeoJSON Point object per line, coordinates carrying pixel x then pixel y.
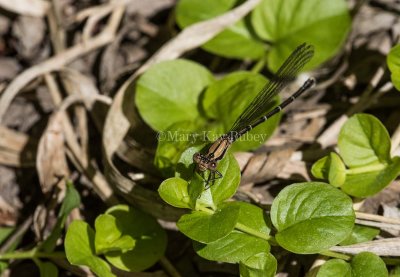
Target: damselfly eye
{"type": "Point", "coordinates": [213, 165]}
{"type": "Point", "coordinates": [196, 157]}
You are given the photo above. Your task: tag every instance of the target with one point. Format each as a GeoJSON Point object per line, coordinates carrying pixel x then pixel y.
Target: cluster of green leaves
{"type": "Point", "coordinates": [47, 247]}
{"type": "Point", "coordinates": [129, 239]}
{"type": "Point", "coordinates": [309, 218]}
{"type": "Point", "coordinates": [274, 25]}
{"type": "Point", "coordinates": [180, 99]}
{"type": "Point", "coordinates": [365, 165]}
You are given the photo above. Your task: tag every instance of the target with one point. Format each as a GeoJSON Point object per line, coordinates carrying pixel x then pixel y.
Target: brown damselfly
{"type": "Point", "coordinates": [256, 112]}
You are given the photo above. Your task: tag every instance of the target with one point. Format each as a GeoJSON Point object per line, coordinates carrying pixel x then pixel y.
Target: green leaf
{"type": "Point", "coordinates": [311, 217]}
{"type": "Point", "coordinates": [168, 92]}
{"type": "Point", "coordinates": [225, 43]}
{"type": "Point", "coordinates": [185, 166]}
{"type": "Point", "coordinates": [198, 194]}
{"type": "Point", "coordinates": [330, 168]}
{"type": "Point", "coordinates": [5, 232]}
{"type": "Point", "coordinates": [252, 217]}
{"type": "Point", "coordinates": [109, 237]}
{"type": "Point", "coordinates": [221, 189]}
{"type": "Point", "coordinates": [363, 140]}
{"type": "Point", "coordinates": [360, 234]}
{"type": "Point", "coordinates": [71, 201]}
{"type": "Point", "coordinates": [393, 61]}
{"type": "Point", "coordinates": [207, 227]}
{"type": "Point", "coordinates": [79, 249]}
{"type": "Point", "coordinates": [150, 237]}
{"type": "Point", "coordinates": [174, 191]}
{"type": "Point", "coordinates": [233, 248]}
{"type": "Point", "coordinates": [224, 188]}
{"type": "Point", "coordinates": [334, 268]}
{"type": "Point", "coordinates": [173, 142]}
{"type": "Point", "coordinates": [370, 183]}
{"type": "Point", "coordinates": [260, 265]}
{"type": "Point", "coordinates": [225, 100]}
{"type": "Point", "coordinates": [287, 23]}
{"type": "Point", "coordinates": [368, 264]}
{"type": "Point", "coordinates": [47, 269]}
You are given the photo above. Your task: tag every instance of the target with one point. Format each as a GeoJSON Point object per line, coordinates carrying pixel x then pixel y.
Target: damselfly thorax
{"type": "Point", "coordinates": [215, 153]}
{"type": "Point", "coordinates": [256, 113]}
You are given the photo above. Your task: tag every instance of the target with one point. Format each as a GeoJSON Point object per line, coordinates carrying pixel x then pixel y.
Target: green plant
{"type": "Point", "coordinates": [306, 218]}
{"type": "Point", "coordinates": [364, 148]}
{"type": "Point", "coordinates": [129, 240]}
{"type": "Point", "coordinates": [277, 26]}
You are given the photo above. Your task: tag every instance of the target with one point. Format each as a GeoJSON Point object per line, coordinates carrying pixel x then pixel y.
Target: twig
{"type": "Point", "coordinates": [378, 224]}
{"type": "Point", "coordinates": [379, 218]}
{"type": "Point", "coordinates": [60, 60]}
{"type": "Point", "coordinates": [104, 8]}
{"type": "Point", "coordinates": [57, 33]}
{"type": "Point", "coordinates": [17, 234]}
{"type": "Point", "coordinates": [197, 34]}
{"type": "Point", "coordinates": [101, 186]}
{"type": "Point", "coordinates": [26, 7]}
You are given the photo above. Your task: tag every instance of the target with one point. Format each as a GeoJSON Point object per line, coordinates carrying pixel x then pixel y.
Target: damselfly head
{"type": "Point", "coordinates": [203, 163]}
{"type": "Point", "coordinates": [198, 159]}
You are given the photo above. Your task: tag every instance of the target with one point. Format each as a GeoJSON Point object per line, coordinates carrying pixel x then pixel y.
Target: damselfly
{"type": "Point", "coordinates": [256, 113]}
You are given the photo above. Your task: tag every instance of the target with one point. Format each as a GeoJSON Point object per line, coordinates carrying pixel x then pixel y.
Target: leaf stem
{"type": "Point", "coordinates": [335, 255]}
{"type": "Point", "coordinates": [31, 255]}
{"type": "Point", "coordinates": [258, 66]}
{"type": "Point", "coordinates": [166, 264]}
{"type": "Point", "coordinates": [204, 209]}
{"type": "Point", "coordinates": [251, 231]}
{"type": "Point", "coordinates": [241, 227]}
{"type": "Point", "coordinates": [366, 169]}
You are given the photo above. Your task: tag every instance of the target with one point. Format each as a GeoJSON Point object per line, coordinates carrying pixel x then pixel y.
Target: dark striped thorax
{"type": "Point", "coordinates": [215, 153]}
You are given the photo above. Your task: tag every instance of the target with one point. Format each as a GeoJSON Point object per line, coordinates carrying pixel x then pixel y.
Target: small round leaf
{"type": "Point", "coordinates": [168, 92]}
{"type": "Point", "coordinates": [225, 43]}
{"type": "Point", "coordinates": [150, 237]}
{"type": "Point", "coordinates": [311, 217]}
{"type": "Point", "coordinates": [330, 168]}
{"type": "Point", "coordinates": [205, 227]}
{"type": "Point", "coordinates": [79, 249]}
{"type": "Point", "coordinates": [108, 236]}
{"type": "Point", "coordinates": [252, 217]}
{"type": "Point", "coordinates": [335, 268]}
{"type": "Point", "coordinates": [363, 140]}
{"type": "Point", "coordinates": [221, 188]}
{"type": "Point", "coordinates": [260, 265]}
{"type": "Point", "coordinates": [287, 23]}
{"type": "Point", "coordinates": [233, 248]}
{"type": "Point", "coordinates": [360, 234]}
{"type": "Point", "coordinates": [370, 183]}
{"type": "Point", "coordinates": [174, 191]}
{"type": "Point", "coordinates": [368, 264]}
